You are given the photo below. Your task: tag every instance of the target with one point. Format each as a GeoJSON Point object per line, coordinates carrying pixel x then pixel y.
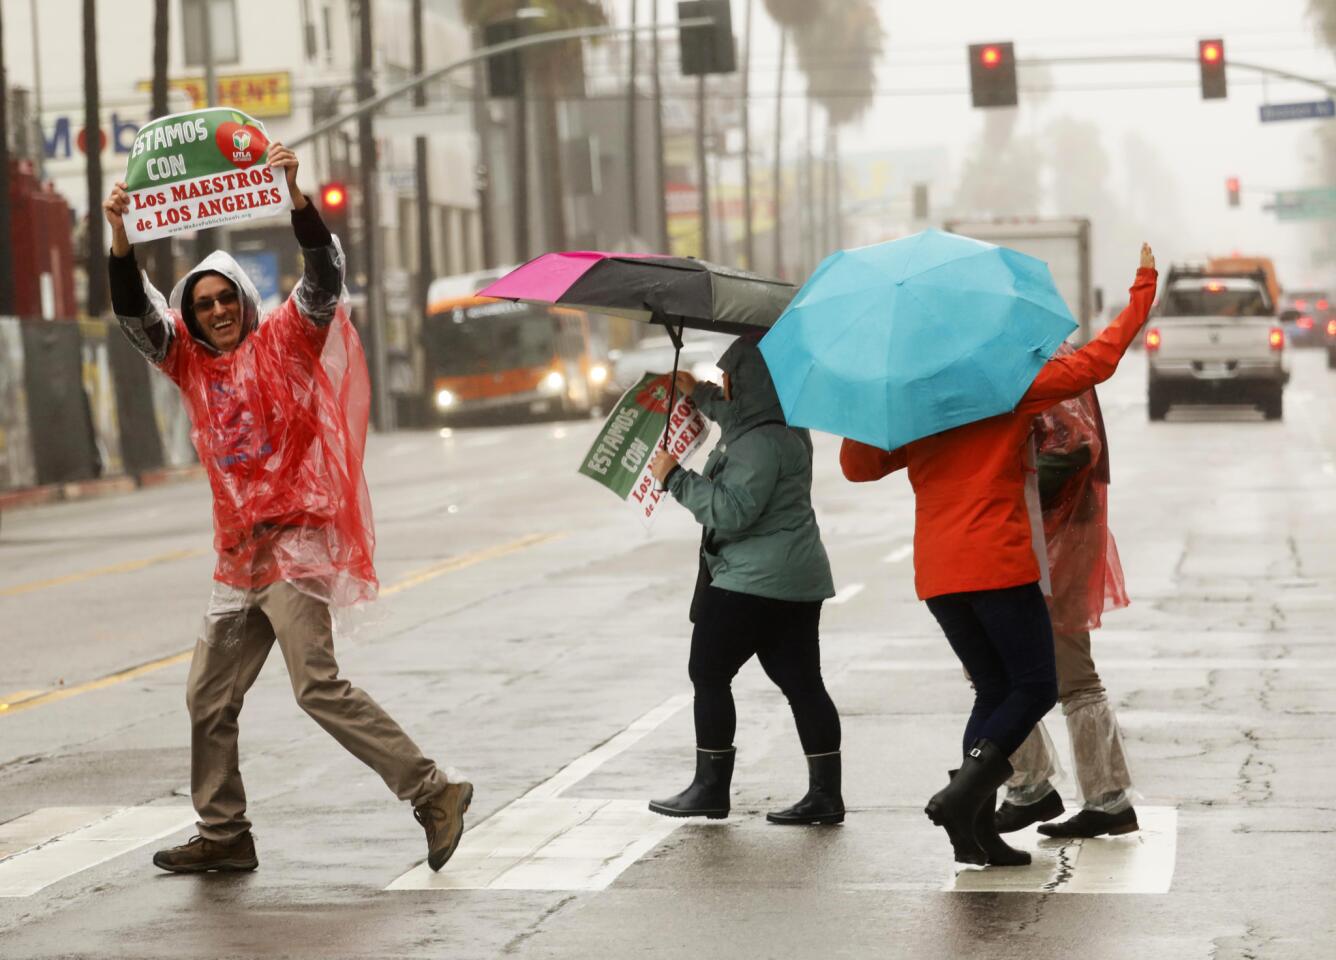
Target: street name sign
{"type": "Point", "coordinates": [201, 169]}
{"type": "Point", "coordinates": [1317, 203]}
{"type": "Point", "coordinates": [1308, 110]}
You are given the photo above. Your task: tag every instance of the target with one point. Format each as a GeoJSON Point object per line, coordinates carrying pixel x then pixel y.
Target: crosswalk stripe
{"type": "Point", "coordinates": [544, 841]}
{"type": "Point", "coordinates": [1141, 862]}
{"type": "Point", "coordinates": [50, 844]}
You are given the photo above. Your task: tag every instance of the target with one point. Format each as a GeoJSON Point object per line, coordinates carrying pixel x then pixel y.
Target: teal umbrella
{"type": "Point", "coordinates": [901, 340]}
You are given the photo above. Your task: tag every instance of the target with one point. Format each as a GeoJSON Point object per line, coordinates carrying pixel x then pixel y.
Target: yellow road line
{"type": "Point", "coordinates": [27, 699]}
{"type": "Point", "coordinates": [130, 566]}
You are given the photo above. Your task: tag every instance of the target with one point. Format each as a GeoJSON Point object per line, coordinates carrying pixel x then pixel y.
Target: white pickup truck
{"type": "Point", "coordinates": [1214, 337]}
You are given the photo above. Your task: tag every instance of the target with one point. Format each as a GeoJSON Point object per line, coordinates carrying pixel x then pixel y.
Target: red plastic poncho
{"type": "Point", "coordinates": [1074, 480]}
{"type": "Point", "coordinates": [280, 426]}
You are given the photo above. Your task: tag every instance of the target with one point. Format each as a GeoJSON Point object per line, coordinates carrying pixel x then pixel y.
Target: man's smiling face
{"type": "Point", "coordinates": [217, 311]}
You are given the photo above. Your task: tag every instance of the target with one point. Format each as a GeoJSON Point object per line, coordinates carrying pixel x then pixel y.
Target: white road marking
{"type": "Point", "coordinates": [57, 842]}
{"type": "Point", "coordinates": [544, 841]}
{"type": "Point", "coordinates": [845, 594]}
{"type": "Point", "coordinates": [1141, 862]}
{"type": "Point", "coordinates": [899, 554]}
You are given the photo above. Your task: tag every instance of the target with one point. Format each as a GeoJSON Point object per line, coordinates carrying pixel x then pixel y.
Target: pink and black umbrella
{"type": "Point", "coordinates": [675, 292]}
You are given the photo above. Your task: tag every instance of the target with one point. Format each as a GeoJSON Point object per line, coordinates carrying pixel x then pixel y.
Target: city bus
{"type": "Point", "coordinates": [518, 360]}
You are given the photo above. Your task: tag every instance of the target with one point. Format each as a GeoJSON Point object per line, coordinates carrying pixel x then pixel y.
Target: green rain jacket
{"type": "Point", "coordinates": [754, 497]}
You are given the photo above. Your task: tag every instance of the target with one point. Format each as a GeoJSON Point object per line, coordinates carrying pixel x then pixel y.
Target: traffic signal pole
{"type": "Point", "coordinates": [1233, 64]}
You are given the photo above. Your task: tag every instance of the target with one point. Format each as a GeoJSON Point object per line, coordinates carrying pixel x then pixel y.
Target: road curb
{"type": "Point", "coordinates": [91, 489]}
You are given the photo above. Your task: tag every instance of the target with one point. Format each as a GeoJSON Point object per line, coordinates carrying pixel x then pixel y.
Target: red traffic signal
{"type": "Point", "coordinates": [333, 197]}
{"type": "Point", "coordinates": [1211, 61]}
{"type": "Point", "coordinates": [993, 74]}
{"type": "Point", "coordinates": [1232, 190]}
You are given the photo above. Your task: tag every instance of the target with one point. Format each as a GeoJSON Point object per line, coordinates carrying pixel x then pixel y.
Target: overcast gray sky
{"type": "Point", "coordinates": [925, 101]}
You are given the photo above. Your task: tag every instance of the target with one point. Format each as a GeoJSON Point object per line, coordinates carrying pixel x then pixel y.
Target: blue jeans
{"type": "Point", "coordinates": [1005, 640]}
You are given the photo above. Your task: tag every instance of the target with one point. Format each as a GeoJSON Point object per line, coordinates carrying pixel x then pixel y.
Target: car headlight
{"type": "Point", "coordinates": [554, 382]}
{"type": "Point", "coordinates": [598, 374]}
{"type": "Point", "coordinates": [444, 399]}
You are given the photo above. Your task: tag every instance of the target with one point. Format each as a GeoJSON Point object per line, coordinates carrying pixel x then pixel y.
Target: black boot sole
{"type": "Point", "coordinates": [217, 866]}
{"type": "Point", "coordinates": [823, 819]}
{"type": "Point", "coordinates": [663, 811]}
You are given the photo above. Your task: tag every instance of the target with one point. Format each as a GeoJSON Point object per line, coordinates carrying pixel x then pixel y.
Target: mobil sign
{"type": "Point", "coordinates": [64, 136]}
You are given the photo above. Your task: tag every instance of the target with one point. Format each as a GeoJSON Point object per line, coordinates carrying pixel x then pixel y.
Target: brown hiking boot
{"type": "Point", "coordinates": [443, 818]}
{"type": "Point", "coordinates": [198, 855]}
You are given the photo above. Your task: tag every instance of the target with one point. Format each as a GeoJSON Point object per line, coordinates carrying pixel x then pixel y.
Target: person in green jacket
{"type": "Point", "coordinates": [763, 576]}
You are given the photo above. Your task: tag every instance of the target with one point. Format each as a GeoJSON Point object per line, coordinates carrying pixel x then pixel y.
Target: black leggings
{"type": "Point", "coordinates": [784, 635]}
{"type": "Point", "coordinates": [1005, 640]}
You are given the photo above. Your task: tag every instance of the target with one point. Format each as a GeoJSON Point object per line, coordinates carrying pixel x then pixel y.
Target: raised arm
{"type": "Point", "coordinates": [861, 462]}
{"type": "Point", "coordinates": [143, 317]}
{"type": "Point", "coordinates": [1069, 376]}
{"type": "Point", "coordinates": [317, 293]}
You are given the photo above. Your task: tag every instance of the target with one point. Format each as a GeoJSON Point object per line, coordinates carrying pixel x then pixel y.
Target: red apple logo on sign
{"type": "Point", "coordinates": [241, 144]}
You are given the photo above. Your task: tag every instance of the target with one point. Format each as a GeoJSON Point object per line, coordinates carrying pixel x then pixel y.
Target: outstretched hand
{"type": "Point", "coordinates": [1147, 257]}
{"type": "Point", "coordinates": [283, 158]}
{"type": "Point", "coordinates": [114, 208]}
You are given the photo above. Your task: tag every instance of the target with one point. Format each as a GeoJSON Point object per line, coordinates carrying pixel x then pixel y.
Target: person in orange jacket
{"type": "Point", "coordinates": [976, 567]}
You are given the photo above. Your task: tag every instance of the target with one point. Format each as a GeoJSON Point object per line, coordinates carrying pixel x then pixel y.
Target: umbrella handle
{"type": "Point", "coordinates": [676, 335]}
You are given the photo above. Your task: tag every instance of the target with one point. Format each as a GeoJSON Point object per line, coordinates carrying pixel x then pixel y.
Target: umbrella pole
{"type": "Point", "coordinates": [675, 334]}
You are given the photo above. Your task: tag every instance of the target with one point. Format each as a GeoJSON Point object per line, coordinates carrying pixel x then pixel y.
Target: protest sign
{"type": "Point", "coordinates": [619, 458]}
{"type": "Point", "coordinates": [201, 169]}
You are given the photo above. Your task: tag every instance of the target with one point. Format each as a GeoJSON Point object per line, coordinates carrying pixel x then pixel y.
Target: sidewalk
{"type": "Point", "coordinates": [100, 487]}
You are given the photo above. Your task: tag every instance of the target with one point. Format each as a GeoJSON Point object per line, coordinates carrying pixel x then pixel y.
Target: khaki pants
{"type": "Point", "coordinates": [1097, 743]}
{"type": "Point", "coordinates": [227, 661]}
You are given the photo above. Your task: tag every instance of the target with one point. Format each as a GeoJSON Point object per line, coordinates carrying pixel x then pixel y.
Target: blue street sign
{"type": "Point", "coordinates": [1271, 112]}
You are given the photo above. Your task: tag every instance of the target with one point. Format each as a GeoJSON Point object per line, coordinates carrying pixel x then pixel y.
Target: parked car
{"type": "Point", "coordinates": [1305, 315]}
{"type": "Point", "coordinates": [1215, 339]}
{"type": "Point", "coordinates": [700, 351]}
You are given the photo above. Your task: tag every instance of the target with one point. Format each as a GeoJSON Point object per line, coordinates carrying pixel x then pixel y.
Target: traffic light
{"type": "Point", "coordinates": [1211, 60]}
{"type": "Point", "coordinates": [1232, 190]}
{"type": "Point", "coordinates": [708, 49]}
{"type": "Point", "coordinates": [334, 208]}
{"type": "Point", "coordinates": [993, 74]}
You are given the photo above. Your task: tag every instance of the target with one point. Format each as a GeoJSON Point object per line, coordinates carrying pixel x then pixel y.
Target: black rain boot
{"type": "Point", "coordinates": [955, 807]}
{"type": "Point", "coordinates": [708, 794]}
{"type": "Point", "coordinates": [997, 850]}
{"type": "Point", "coordinates": [823, 803]}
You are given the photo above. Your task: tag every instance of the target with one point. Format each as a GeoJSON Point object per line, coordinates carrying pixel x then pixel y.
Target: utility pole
{"type": "Point", "coordinates": [37, 91]}
{"type": "Point", "coordinates": [660, 183]}
{"type": "Point", "coordinates": [425, 258]}
{"type": "Point", "coordinates": [632, 194]}
{"type": "Point", "coordinates": [95, 265]}
{"type": "Point", "coordinates": [202, 242]}
{"type": "Point", "coordinates": [381, 412]}
{"type": "Point", "coordinates": [702, 170]}
{"type": "Point", "coordinates": [6, 258]}
{"type": "Point", "coordinates": [749, 243]}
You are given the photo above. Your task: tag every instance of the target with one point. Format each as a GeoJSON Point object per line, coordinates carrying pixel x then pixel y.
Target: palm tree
{"type": "Point", "coordinates": [839, 54]}
{"type": "Point", "coordinates": [1324, 12]}
{"type": "Point", "coordinates": [95, 267]}
{"type": "Point", "coordinates": [788, 16]}
{"type": "Point", "coordinates": [558, 72]}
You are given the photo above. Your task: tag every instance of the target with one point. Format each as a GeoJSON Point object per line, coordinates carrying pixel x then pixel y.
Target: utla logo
{"type": "Point", "coordinates": [241, 144]}
{"type": "Point", "coordinates": [654, 397]}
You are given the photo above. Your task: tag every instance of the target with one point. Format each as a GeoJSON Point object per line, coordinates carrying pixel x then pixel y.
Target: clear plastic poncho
{"type": "Point", "coordinates": [1073, 463]}
{"type": "Point", "coordinates": [280, 424]}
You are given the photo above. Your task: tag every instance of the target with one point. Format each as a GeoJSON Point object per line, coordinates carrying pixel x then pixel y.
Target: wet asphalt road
{"type": "Point", "coordinates": [528, 620]}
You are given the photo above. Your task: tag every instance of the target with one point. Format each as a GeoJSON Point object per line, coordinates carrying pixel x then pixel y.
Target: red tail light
{"type": "Point", "coordinates": [1152, 339]}
{"type": "Point", "coordinates": [1277, 338]}
{"type": "Point", "coordinates": [1305, 322]}
{"type": "Point", "coordinates": [1323, 304]}
{"type": "Point", "coordinates": [1331, 328]}
{"type": "Point", "coordinates": [1217, 287]}
{"type": "Point", "coordinates": [1300, 304]}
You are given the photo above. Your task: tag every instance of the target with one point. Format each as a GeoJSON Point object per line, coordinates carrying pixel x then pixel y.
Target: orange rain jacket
{"type": "Point", "coordinates": [971, 526]}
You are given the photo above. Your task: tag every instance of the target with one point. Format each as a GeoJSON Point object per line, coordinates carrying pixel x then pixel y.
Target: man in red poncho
{"type": "Point", "coordinates": [1087, 579]}
{"type": "Point", "coordinates": [278, 407]}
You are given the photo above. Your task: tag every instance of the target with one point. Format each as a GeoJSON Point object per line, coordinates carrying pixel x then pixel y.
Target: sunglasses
{"type": "Point", "coordinates": [205, 304]}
